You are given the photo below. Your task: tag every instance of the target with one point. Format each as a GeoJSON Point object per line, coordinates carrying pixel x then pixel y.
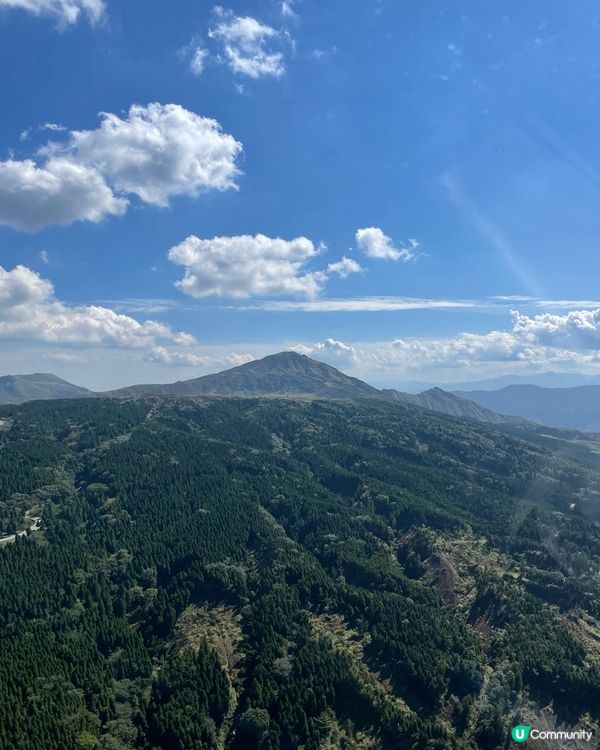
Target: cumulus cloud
{"type": "Point", "coordinates": [247, 265]}
{"type": "Point", "coordinates": [344, 267]}
{"type": "Point", "coordinates": [59, 192]}
{"type": "Point", "coordinates": [155, 152]}
{"type": "Point", "coordinates": [578, 329]}
{"type": "Point", "coordinates": [496, 346]}
{"type": "Point", "coordinates": [374, 243]}
{"type": "Point", "coordinates": [570, 340]}
{"type": "Point", "coordinates": [65, 12]}
{"type": "Point", "coordinates": [334, 348]}
{"type": "Point", "coordinates": [29, 310]}
{"type": "Point", "coordinates": [158, 151]}
{"type": "Point", "coordinates": [248, 46]}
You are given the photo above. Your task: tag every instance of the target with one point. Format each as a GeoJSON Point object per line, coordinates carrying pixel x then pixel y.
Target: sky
{"type": "Point", "coordinates": [407, 190]}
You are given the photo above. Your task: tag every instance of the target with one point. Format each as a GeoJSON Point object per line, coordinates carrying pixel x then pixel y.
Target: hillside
{"type": "Point", "coordinates": [576, 408]}
{"type": "Point", "coordinates": [282, 573]}
{"type": "Point", "coordinates": [16, 389]}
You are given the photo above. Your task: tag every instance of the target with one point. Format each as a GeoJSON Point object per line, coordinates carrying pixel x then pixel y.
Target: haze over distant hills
{"type": "Point", "coordinates": [16, 389]}
{"type": "Point", "coordinates": [578, 407]}
{"type": "Point", "coordinates": [544, 379]}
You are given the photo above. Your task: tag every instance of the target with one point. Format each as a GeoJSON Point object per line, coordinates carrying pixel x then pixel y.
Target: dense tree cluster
{"type": "Point", "coordinates": [294, 516]}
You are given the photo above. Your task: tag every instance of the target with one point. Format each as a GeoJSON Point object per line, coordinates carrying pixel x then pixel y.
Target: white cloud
{"type": "Point", "coordinates": [541, 341]}
{"type": "Point", "coordinates": [166, 356]}
{"type": "Point", "coordinates": [374, 243]}
{"type": "Point", "coordinates": [578, 329]}
{"type": "Point", "coordinates": [29, 310]}
{"type": "Point", "coordinates": [198, 60]}
{"type": "Point", "coordinates": [53, 126]}
{"type": "Point", "coordinates": [44, 257]}
{"type": "Point", "coordinates": [344, 267]}
{"type": "Point", "coordinates": [287, 9]}
{"type": "Point", "coordinates": [247, 265]}
{"type": "Point", "coordinates": [177, 358]}
{"type": "Point", "coordinates": [140, 304]}
{"type": "Point", "coordinates": [59, 192]}
{"type": "Point", "coordinates": [248, 46]}
{"type": "Point", "coordinates": [367, 304]}
{"type": "Point", "coordinates": [570, 304]}
{"type": "Point", "coordinates": [155, 152]}
{"type": "Point", "coordinates": [496, 346]}
{"type": "Point", "coordinates": [335, 349]}
{"type": "Point", "coordinates": [66, 12]}
{"type": "Point", "coordinates": [158, 151]}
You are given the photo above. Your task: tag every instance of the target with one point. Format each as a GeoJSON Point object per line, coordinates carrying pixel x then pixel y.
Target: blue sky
{"type": "Point", "coordinates": [408, 190]}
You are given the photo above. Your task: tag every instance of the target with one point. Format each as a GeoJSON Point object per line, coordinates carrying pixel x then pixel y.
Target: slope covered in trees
{"type": "Point", "coordinates": [259, 573]}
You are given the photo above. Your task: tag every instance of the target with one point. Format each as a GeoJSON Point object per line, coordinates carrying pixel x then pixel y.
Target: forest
{"type": "Point", "coordinates": [277, 574]}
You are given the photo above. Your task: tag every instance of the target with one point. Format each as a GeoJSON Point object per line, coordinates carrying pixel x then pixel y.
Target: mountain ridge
{"type": "Point", "coordinates": [441, 401]}
{"type": "Point", "coordinates": [289, 374]}
{"type": "Point", "coordinates": [17, 389]}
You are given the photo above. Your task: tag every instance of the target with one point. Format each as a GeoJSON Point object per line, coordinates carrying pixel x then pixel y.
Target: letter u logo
{"type": "Point", "coordinates": [520, 733]}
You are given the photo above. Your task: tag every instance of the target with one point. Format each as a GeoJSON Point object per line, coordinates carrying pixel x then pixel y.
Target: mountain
{"type": "Point", "coordinates": [289, 374]}
{"type": "Point", "coordinates": [577, 408]}
{"type": "Point", "coordinates": [15, 389]}
{"type": "Point", "coordinates": [252, 574]}
{"type": "Point", "coordinates": [435, 399]}
{"type": "Point", "coordinates": [283, 374]}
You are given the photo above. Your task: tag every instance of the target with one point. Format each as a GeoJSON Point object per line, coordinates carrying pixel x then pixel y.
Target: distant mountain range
{"type": "Point", "coordinates": [293, 375]}
{"type": "Point", "coordinates": [290, 374]}
{"type": "Point", "coordinates": [577, 408]}
{"type": "Point", "coordinates": [544, 379]}
{"type": "Point", "coordinates": [16, 389]}
{"type": "Point", "coordinates": [284, 375]}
